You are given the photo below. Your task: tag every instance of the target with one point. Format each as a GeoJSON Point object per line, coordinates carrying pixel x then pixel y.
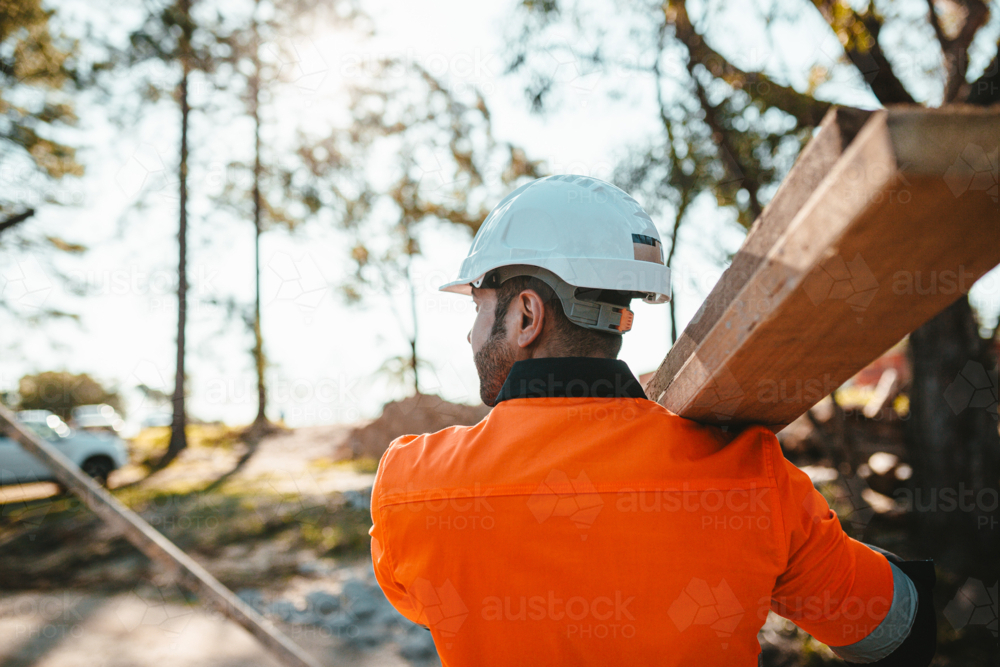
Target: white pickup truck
{"type": "Point", "coordinates": [97, 453]}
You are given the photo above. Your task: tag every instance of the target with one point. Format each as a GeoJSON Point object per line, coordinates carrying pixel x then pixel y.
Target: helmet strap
{"type": "Point", "coordinates": [589, 314]}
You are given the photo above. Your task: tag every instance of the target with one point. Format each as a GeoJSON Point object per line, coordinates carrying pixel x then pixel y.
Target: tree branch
{"type": "Point", "coordinates": [858, 33]}
{"type": "Point", "coordinates": [14, 219]}
{"type": "Point", "coordinates": [807, 110]}
{"type": "Point", "coordinates": [986, 89]}
{"type": "Point", "coordinates": [727, 153]}
{"type": "Point", "coordinates": [955, 51]}
{"type": "Point", "coordinates": [682, 207]}
{"type": "Point", "coordinates": [936, 24]}
{"type": "Point", "coordinates": [686, 187]}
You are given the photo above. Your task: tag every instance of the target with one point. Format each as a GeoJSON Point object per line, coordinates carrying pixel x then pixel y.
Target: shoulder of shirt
{"type": "Point", "coordinates": [406, 445]}
{"type": "Point", "coordinates": [405, 453]}
{"type": "Point", "coordinates": [407, 458]}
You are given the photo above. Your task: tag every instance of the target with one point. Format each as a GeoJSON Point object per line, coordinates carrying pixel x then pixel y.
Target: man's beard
{"type": "Point", "coordinates": [493, 363]}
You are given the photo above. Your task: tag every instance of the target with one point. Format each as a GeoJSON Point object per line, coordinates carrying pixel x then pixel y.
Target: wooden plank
{"type": "Point", "coordinates": [840, 268]}
{"type": "Point", "coordinates": [186, 571]}
{"type": "Point", "coordinates": [836, 131]}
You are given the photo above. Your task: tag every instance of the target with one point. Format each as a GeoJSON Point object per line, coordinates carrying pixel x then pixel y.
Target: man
{"type": "Point", "coordinates": [582, 524]}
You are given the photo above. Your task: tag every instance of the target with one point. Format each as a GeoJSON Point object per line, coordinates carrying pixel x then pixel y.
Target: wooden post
{"type": "Point", "coordinates": [187, 572]}
{"type": "Point", "coordinates": [886, 218]}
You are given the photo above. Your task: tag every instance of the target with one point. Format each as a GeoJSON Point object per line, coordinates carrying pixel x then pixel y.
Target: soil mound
{"type": "Point", "coordinates": [423, 413]}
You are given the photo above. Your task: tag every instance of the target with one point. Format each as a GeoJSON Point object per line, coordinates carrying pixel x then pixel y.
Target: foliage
{"type": "Point", "coordinates": [61, 391]}
{"type": "Point", "coordinates": [731, 123]}
{"type": "Point", "coordinates": [417, 152]}
{"type": "Point", "coordinates": [35, 71]}
{"type": "Point", "coordinates": [39, 73]}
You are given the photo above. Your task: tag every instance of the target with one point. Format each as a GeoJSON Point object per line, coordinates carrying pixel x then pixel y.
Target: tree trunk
{"type": "Point", "coordinates": [178, 435]}
{"type": "Point", "coordinates": [413, 338]}
{"type": "Point", "coordinates": [258, 350]}
{"type": "Point", "coordinates": [953, 440]}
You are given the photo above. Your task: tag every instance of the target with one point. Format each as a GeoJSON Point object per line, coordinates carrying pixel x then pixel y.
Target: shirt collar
{"type": "Point", "coordinates": [570, 377]}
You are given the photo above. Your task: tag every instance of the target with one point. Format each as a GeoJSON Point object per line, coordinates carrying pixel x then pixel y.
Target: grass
{"type": "Point", "coordinates": [226, 524]}
{"type": "Point", "coordinates": [150, 443]}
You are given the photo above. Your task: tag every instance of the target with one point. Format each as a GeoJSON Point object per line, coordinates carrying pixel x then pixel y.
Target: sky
{"type": "Point", "coordinates": [325, 355]}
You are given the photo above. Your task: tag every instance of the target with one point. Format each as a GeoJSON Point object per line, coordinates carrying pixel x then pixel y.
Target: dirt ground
{"type": "Point", "coordinates": [285, 529]}
{"type": "Point", "coordinates": [153, 624]}
{"type": "Point", "coordinates": [98, 629]}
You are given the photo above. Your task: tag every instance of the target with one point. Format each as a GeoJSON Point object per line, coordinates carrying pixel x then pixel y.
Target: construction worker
{"type": "Point", "coordinates": [580, 523]}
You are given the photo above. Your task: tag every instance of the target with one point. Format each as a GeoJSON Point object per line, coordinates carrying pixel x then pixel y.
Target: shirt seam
{"type": "Point", "coordinates": [385, 526]}
{"type": "Point", "coordinates": [781, 534]}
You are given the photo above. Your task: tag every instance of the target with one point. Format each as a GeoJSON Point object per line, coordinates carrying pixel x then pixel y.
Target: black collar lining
{"type": "Point", "coordinates": [570, 377]}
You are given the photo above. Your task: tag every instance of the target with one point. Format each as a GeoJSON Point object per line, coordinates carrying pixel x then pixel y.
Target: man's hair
{"type": "Point", "coordinates": [570, 339]}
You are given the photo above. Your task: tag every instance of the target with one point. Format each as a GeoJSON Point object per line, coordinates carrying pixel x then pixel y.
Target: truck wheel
{"type": "Point", "coordinates": [98, 467]}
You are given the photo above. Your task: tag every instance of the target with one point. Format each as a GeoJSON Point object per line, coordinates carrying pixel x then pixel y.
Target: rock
{"type": "Point", "coordinates": [322, 603]}
{"type": "Point", "coordinates": [417, 645]}
{"type": "Point", "coordinates": [286, 611]}
{"type": "Point", "coordinates": [366, 637]}
{"type": "Point", "coordinates": [356, 588]}
{"type": "Point", "coordinates": [340, 625]}
{"type": "Point", "coordinates": [363, 608]}
{"type": "Point", "coordinates": [359, 500]}
{"type": "Point", "coordinates": [388, 617]}
{"type": "Point", "coordinates": [361, 599]}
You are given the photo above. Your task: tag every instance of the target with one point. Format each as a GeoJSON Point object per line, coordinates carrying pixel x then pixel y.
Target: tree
{"type": "Point", "coordinates": [260, 75]}
{"type": "Point", "coordinates": [32, 59]}
{"type": "Point", "coordinates": [172, 35]}
{"type": "Point", "coordinates": [60, 392]}
{"type": "Point", "coordinates": [416, 153]}
{"type": "Point", "coordinates": [38, 74]}
{"type": "Point", "coordinates": [731, 131]}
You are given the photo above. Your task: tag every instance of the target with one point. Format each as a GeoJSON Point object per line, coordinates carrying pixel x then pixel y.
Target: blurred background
{"type": "Point", "coordinates": [222, 228]}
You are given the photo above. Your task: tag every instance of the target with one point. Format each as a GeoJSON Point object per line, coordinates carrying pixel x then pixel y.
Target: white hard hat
{"type": "Point", "coordinates": [588, 233]}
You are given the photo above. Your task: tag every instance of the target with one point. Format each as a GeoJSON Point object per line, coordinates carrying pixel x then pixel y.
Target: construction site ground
{"type": "Point", "coordinates": [287, 530]}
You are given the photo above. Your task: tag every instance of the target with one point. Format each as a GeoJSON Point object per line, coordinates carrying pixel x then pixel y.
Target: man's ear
{"type": "Point", "coordinates": [528, 312]}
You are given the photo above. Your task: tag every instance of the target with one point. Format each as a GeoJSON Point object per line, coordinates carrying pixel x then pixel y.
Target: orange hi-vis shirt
{"type": "Point", "coordinates": [598, 531]}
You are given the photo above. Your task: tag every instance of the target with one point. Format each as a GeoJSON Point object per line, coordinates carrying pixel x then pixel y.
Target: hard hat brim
{"type": "Point", "coordinates": [660, 294]}
{"type": "Point", "coordinates": [457, 287]}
